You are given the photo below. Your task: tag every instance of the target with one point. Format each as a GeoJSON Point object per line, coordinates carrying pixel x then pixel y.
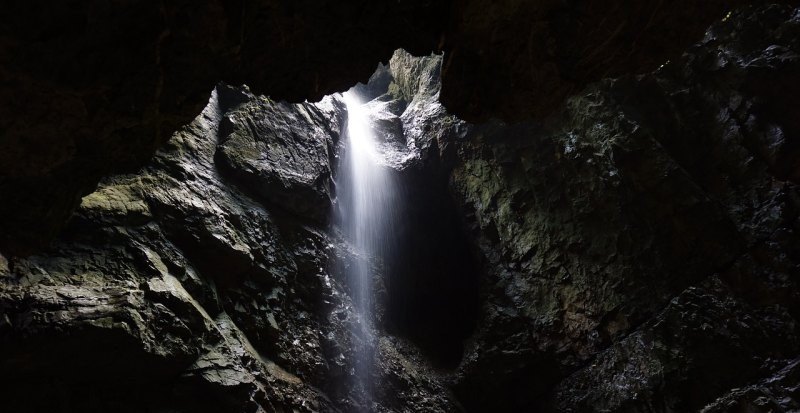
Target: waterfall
{"type": "Point", "coordinates": [365, 212]}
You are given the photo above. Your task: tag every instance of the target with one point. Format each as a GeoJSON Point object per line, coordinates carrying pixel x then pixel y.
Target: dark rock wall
{"type": "Point", "coordinates": [515, 60]}
{"type": "Point", "coordinates": [642, 247]}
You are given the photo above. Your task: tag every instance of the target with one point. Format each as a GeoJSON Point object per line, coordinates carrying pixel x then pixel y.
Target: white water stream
{"type": "Point", "coordinates": [366, 196]}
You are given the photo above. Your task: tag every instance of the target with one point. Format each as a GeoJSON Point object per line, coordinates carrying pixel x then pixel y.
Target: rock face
{"type": "Point", "coordinates": [642, 248]}
{"type": "Point", "coordinates": [283, 153]}
{"type": "Point", "coordinates": [202, 282]}
{"type": "Point", "coordinates": [637, 251]}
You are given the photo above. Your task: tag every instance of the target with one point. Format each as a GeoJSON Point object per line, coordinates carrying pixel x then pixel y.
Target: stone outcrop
{"type": "Point", "coordinates": [282, 153]}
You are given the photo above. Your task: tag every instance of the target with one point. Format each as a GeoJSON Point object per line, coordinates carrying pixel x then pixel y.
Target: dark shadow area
{"type": "Point", "coordinates": [432, 276]}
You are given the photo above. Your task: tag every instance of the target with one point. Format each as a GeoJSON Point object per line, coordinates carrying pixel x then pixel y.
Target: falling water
{"type": "Point", "coordinates": [365, 212]}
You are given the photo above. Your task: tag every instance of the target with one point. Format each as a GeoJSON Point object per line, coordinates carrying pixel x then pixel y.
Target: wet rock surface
{"type": "Point", "coordinates": [283, 153]}
{"type": "Point", "coordinates": [186, 287]}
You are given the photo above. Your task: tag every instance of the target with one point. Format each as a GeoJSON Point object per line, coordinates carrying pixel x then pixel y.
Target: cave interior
{"type": "Point", "coordinates": [570, 206]}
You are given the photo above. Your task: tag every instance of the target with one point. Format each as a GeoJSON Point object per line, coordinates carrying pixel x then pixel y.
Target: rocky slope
{"type": "Point", "coordinates": [637, 251]}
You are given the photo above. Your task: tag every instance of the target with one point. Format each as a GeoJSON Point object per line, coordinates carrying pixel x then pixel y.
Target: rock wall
{"type": "Point", "coordinates": [642, 246]}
